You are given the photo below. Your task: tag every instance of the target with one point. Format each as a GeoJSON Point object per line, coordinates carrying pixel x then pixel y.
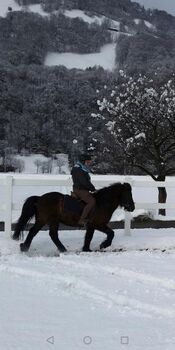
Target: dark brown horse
{"type": "Point", "coordinates": [54, 207]}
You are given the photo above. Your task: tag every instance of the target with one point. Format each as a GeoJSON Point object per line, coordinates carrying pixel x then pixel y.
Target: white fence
{"type": "Point", "coordinates": [63, 183]}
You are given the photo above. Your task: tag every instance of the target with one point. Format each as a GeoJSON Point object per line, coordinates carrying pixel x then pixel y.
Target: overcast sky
{"type": "Point", "coordinates": [167, 5]}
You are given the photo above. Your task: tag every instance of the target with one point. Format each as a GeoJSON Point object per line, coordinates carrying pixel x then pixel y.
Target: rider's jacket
{"type": "Point", "coordinates": [81, 177]}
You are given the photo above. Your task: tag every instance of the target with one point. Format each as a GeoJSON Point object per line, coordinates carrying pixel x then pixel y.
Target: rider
{"type": "Point", "coordinates": [82, 185]}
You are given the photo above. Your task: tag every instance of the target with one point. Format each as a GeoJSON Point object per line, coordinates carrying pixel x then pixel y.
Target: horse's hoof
{"type": "Point", "coordinates": [86, 249]}
{"type": "Point", "coordinates": [23, 247]}
{"type": "Point", "coordinates": [104, 245]}
{"type": "Point", "coordinates": [62, 250]}
{"type": "Point", "coordinates": [15, 237]}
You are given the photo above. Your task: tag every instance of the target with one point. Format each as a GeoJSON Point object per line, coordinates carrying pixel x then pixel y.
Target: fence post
{"type": "Point", "coordinates": [127, 225]}
{"type": "Point", "coordinates": [128, 216]}
{"type": "Point", "coordinates": [8, 205]}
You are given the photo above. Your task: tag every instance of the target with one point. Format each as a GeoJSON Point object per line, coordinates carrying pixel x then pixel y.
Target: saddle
{"type": "Point", "coordinates": [73, 204]}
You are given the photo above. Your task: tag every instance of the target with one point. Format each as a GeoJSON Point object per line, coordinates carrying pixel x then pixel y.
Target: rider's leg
{"type": "Point", "coordinates": [86, 197]}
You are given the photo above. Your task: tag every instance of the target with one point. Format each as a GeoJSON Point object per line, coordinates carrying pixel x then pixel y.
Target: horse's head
{"type": "Point", "coordinates": [115, 195]}
{"type": "Point", "coordinates": [126, 200]}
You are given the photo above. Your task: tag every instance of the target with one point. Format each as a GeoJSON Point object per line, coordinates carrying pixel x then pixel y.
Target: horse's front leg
{"type": "Point", "coordinates": [110, 235]}
{"type": "Point", "coordinates": [88, 239]}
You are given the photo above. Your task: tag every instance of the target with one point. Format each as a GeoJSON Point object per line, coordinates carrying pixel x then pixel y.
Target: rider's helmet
{"type": "Point", "coordinates": [84, 156]}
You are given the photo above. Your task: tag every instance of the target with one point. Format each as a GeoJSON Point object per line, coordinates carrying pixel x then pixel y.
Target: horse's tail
{"type": "Point", "coordinates": [28, 211]}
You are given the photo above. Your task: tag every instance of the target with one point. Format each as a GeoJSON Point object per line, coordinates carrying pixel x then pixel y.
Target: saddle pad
{"type": "Point", "coordinates": [73, 205]}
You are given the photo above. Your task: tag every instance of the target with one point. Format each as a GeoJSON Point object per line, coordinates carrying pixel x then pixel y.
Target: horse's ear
{"type": "Point", "coordinates": [127, 186]}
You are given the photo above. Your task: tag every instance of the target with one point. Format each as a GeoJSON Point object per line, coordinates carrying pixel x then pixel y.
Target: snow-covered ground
{"type": "Point", "coordinates": [81, 14]}
{"type": "Point", "coordinates": [104, 299]}
{"type": "Point", "coordinates": [90, 19]}
{"type": "Point", "coordinates": [34, 163]}
{"type": "Point", "coordinates": [105, 58]}
{"type": "Point", "coordinates": [148, 24]}
{"type": "Point", "coordinates": [38, 9]}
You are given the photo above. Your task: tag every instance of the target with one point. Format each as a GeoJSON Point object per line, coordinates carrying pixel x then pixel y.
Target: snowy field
{"type": "Point", "coordinates": [105, 58]}
{"type": "Point", "coordinates": [93, 301]}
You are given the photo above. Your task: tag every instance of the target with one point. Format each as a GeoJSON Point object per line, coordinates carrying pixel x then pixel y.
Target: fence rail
{"type": "Point", "coordinates": [65, 182]}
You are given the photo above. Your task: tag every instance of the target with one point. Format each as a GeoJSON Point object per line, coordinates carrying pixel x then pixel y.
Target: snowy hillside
{"type": "Point", "coordinates": [4, 4]}
{"type": "Point", "coordinates": [106, 58]}
{"type": "Point", "coordinates": [81, 14]}
{"type": "Point", "coordinates": [38, 51]}
{"type": "Point", "coordinates": [90, 19]}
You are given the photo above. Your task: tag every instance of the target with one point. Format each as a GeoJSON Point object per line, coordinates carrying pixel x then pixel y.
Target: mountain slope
{"type": "Point", "coordinates": [82, 27]}
{"type": "Point", "coordinates": [54, 102]}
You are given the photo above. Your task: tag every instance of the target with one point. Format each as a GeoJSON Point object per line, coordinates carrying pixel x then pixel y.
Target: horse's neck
{"type": "Point", "coordinates": [113, 203]}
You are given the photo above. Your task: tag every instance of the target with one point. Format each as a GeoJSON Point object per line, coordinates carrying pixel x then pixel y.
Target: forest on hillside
{"type": "Point", "coordinates": [44, 109]}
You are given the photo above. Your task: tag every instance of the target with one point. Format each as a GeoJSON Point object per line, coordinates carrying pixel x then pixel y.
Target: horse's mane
{"type": "Point", "coordinates": [105, 193]}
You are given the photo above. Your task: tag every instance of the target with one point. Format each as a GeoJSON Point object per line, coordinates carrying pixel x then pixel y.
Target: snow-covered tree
{"type": "Point", "coordinates": [139, 115]}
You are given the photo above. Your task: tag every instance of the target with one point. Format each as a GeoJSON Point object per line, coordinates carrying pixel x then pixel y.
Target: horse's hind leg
{"type": "Point", "coordinates": [32, 233]}
{"type": "Point", "coordinates": [53, 232]}
{"type": "Point", "coordinates": [110, 235]}
{"type": "Point", "coordinates": [88, 239]}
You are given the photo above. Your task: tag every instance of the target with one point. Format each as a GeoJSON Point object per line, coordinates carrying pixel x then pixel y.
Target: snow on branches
{"type": "Point", "coordinates": [139, 114]}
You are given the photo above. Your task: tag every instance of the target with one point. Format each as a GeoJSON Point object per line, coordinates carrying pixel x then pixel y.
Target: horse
{"type": "Point", "coordinates": [53, 208]}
